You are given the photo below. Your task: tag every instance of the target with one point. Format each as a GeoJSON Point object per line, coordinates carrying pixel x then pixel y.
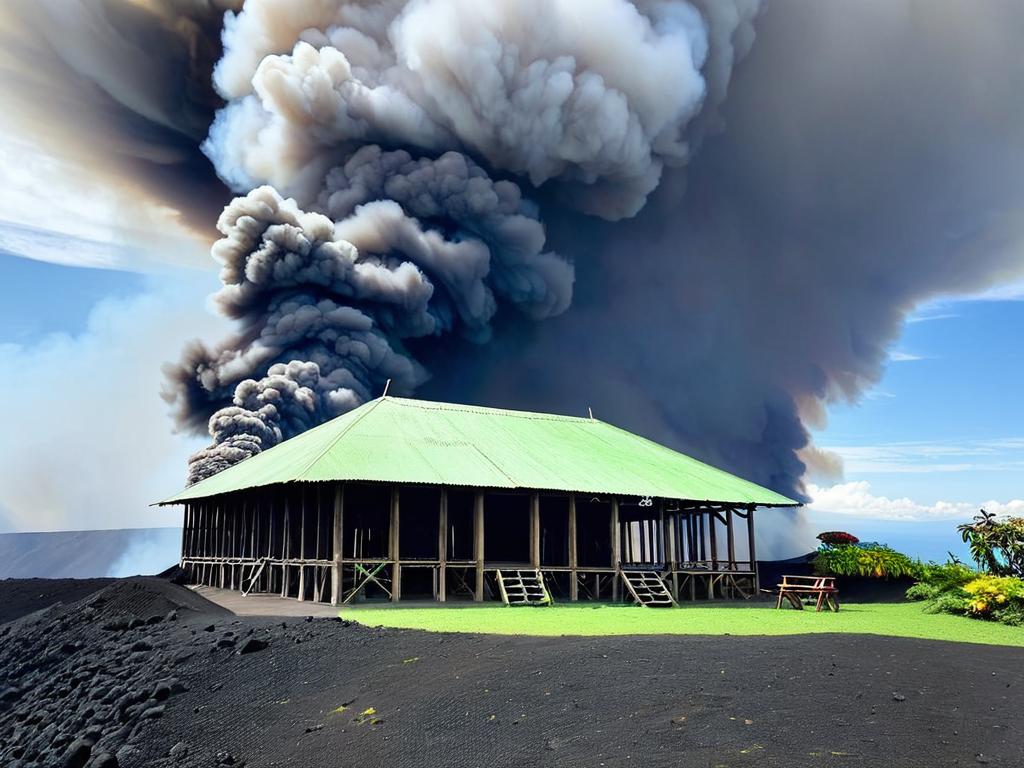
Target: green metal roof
{"type": "Point", "coordinates": [397, 440]}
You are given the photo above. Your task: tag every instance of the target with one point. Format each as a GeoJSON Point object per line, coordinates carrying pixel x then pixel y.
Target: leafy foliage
{"type": "Point", "coordinates": [957, 589]}
{"type": "Point", "coordinates": [837, 538]}
{"type": "Point", "coordinates": [997, 546]}
{"type": "Point", "coordinates": [873, 560]}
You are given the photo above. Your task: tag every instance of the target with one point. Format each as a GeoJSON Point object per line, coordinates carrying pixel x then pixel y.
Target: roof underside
{"type": "Point", "coordinates": [396, 440]}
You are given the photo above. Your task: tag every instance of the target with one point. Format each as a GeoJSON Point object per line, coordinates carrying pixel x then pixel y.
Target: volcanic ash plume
{"type": "Point", "coordinates": [382, 150]}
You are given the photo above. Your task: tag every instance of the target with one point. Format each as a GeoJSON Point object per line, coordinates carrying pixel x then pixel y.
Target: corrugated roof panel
{"type": "Point", "coordinates": [414, 441]}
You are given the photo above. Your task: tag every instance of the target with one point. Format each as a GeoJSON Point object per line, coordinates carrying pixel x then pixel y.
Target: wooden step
{"type": "Point", "coordinates": [523, 588]}
{"type": "Point", "coordinates": [648, 589]}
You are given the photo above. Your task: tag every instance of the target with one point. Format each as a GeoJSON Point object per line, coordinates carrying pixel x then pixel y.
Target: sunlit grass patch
{"type": "Point", "coordinates": [892, 619]}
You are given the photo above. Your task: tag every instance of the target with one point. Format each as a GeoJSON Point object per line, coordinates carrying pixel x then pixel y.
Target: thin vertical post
{"type": "Point", "coordinates": [396, 568]}
{"type": "Point", "coordinates": [615, 549]}
{"type": "Point", "coordinates": [731, 538]}
{"type": "Point", "coordinates": [750, 545]}
{"type": "Point", "coordinates": [712, 526]}
{"type": "Point", "coordinates": [302, 543]}
{"type": "Point", "coordinates": [573, 578]}
{"type": "Point", "coordinates": [286, 540]}
{"type": "Point", "coordinates": [535, 530]}
{"type": "Point", "coordinates": [442, 547]}
{"type": "Point", "coordinates": [336, 541]}
{"type": "Point", "coordinates": [478, 545]}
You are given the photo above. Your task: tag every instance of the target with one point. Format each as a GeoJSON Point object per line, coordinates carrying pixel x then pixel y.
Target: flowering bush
{"type": "Point", "coordinates": [837, 538]}
{"type": "Point", "coordinates": [988, 595]}
{"type": "Point", "coordinates": [873, 560]}
{"type": "Point", "coordinates": [955, 588]}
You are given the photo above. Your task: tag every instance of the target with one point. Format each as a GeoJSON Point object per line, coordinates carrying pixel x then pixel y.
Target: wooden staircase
{"type": "Point", "coordinates": [523, 588]}
{"type": "Point", "coordinates": [648, 589]}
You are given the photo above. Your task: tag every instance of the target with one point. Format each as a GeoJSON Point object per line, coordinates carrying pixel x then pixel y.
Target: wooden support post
{"type": "Point", "coordinates": [286, 540]}
{"type": "Point", "coordinates": [573, 580]}
{"type": "Point", "coordinates": [712, 530]}
{"type": "Point", "coordinates": [660, 542]}
{"type": "Point", "coordinates": [336, 542]}
{"type": "Point", "coordinates": [750, 544]}
{"type": "Point", "coordinates": [730, 538]}
{"type": "Point", "coordinates": [442, 548]}
{"type": "Point", "coordinates": [394, 554]}
{"type": "Point", "coordinates": [615, 549]}
{"type": "Point", "coordinates": [302, 543]}
{"type": "Point", "coordinates": [478, 545]}
{"type": "Point", "coordinates": [701, 539]}
{"type": "Point", "coordinates": [672, 553]}
{"type": "Point", "coordinates": [535, 530]}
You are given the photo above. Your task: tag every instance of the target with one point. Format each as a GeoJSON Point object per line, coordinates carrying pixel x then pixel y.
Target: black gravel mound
{"type": "Point", "coordinates": [112, 682]}
{"type": "Point", "coordinates": [20, 597]}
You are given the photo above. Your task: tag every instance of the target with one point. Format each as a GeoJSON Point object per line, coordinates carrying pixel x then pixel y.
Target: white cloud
{"type": "Point", "coordinates": [88, 440]}
{"type": "Point", "coordinates": [997, 454]}
{"type": "Point", "coordinates": [52, 210]}
{"type": "Point", "coordinates": [900, 356]}
{"type": "Point", "coordinates": [856, 499]}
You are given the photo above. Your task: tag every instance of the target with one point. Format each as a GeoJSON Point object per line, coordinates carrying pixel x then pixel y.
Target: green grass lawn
{"type": "Point", "coordinates": [893, 619]}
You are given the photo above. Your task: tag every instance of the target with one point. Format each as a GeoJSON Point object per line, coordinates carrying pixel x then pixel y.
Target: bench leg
{"type": "Point", "coordinates": [778, 603]}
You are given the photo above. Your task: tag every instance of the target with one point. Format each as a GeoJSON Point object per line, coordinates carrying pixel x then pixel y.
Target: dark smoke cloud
{"type": "Point", "coordinates": [873, 160]}
{"type": "Point", "coordinates": [396, 138]}
{"type": "Point", "coordinates": [121, 87]}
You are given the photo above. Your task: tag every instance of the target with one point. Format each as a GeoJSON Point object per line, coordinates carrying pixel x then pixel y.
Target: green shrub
{"type": "Point", "coordinates": [996, 545]}
{"type": "Point", "coordinates": [955, 588]}
{"type": "Point", "coordinates": [989, 595]}
{"type": "Point", "coordinates": [873, 560]}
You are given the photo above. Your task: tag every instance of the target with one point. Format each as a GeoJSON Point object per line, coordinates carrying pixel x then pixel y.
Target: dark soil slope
{"type": "Point", "coordinates": [19, 597]}
{"type": "Point", "coordinates": [209, 689]}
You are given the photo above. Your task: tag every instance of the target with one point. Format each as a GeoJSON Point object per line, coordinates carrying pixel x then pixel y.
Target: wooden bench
{"type": "Point", "coordinates": [795, 588]}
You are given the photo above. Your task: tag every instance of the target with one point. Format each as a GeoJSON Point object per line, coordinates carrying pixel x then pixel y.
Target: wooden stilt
{"type": "Point", "coordinates": [573, 576]}
{"type": "Point", "coordinates": [535, 530]}
{"type": "Point", "coordinates": [615, 549]}
{"type": "Point", "coordinates": [336, 542]}
{"type": "Point", "coordinates": [478, 545]}
{"type": "Point", "coordinates": [750, 545]}
{"type": "Point", "coordinates": [302, 542]}
{"type": "Point", "coordinates": [441, 590]}
{"type": "Point", "coordinates": [396, 569]}
{"type": "Point", "coordinates": [712, 531]}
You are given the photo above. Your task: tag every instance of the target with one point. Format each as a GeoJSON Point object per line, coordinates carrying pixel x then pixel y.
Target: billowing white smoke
{"type": "Point", "coordinates": [396, 138]}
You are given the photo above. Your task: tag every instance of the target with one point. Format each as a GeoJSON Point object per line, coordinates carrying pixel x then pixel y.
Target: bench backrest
{"type": "Point", "coordinates": [808, 582]}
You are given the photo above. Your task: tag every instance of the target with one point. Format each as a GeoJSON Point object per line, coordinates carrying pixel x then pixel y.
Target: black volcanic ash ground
{"type": "Point", "coordinates": [145, 673]}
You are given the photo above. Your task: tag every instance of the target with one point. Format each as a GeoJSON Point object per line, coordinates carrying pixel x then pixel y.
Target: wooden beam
{"type": "Point", "coordinates": [750, 544]}
{"type": "Point", "coordinates": [535, 530]}
{"type": "Point", "coordinates": [442, 548]}
{"type": "Point", "coordinates": [393, 549]}
{"type": "Point", "coordinates": [615, 548]}
{"type": "Point", "coordinates": [712, 526]}
{"type": "Point", "coordinates": [731, 538]}
{"type": "Point", "coordinates": [336, 542]}
{"type": "Point", "coordinates": [573, 583]}
{"type": "Point", "coordinates": [302, 541]}
{"type": "Point", "coordinates": [478, 545]}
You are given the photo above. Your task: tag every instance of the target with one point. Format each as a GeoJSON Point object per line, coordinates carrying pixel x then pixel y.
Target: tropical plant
{"type": "Point", "coordinates": [958, 589]}
{"type": "Point", "coordinates": [997, 546]}
{"type": "Point", "coordinates": [989, 594]}
{"type": "Point", "coordinates": [837, 538]}
{"type": "Point", "coordinates": [874, 560]}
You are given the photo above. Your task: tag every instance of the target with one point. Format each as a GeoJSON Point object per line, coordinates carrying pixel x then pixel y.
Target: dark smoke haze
{"type": "Point", "coordinates": [485, 201]}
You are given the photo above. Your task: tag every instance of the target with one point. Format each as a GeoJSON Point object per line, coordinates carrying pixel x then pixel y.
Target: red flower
{"type": "Point", "coordinates": [837, 538]}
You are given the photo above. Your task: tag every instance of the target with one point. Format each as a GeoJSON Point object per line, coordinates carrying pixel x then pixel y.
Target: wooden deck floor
{"type": "Point", "coordinates": [262, 605]}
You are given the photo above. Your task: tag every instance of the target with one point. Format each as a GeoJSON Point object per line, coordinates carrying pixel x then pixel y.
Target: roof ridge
{"type": "Point", "coordinates": [340, 435]}
{"type": "Point", "coordinates": [438, 405]}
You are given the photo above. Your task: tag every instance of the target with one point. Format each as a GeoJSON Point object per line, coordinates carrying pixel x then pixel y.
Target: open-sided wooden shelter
{"type": "Point", "coordinates": [406, 498]}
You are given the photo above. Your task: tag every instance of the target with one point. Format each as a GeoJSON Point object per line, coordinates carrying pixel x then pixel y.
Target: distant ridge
{"type": "Point", "coordinates": [88, 554]}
